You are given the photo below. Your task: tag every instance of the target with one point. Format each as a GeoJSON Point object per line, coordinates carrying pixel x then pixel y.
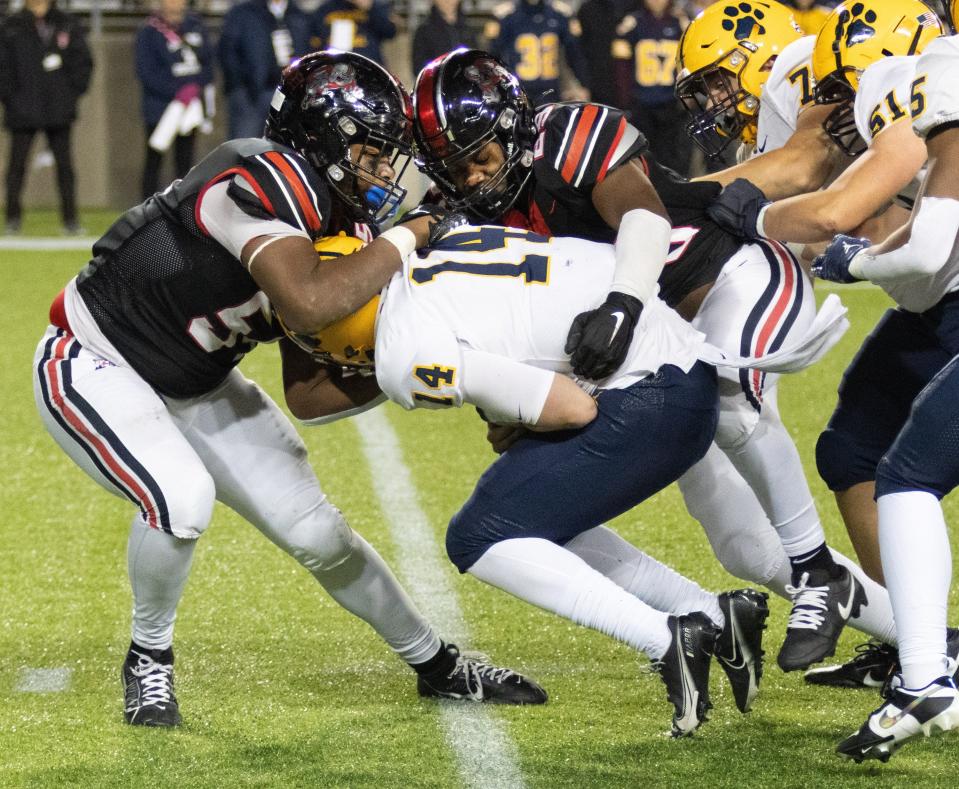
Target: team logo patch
{"type": "Point", "coordinates": [744, 20]}
{"type": "Point", "coordinates": [488, 76]}
{"type": "Point", "coordinates": [855, 25]}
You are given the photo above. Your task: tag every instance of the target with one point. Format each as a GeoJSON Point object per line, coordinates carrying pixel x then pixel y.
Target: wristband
{"type": "Point", "coordinates": [402, 238]}
{"type": "Point", "coordinates": [760, 221]}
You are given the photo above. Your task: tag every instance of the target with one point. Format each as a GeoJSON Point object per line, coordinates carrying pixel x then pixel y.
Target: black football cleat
{"type": "Point", "coordinates": [873, 665]}
{"type": "Point", "coordinates": [822, 605]}
{"type": "Point", "coordinates": [148, 688]}
{"type": "Point", "coordinates": [474, 678]}
{"type": "Point", "coordinates": [739, 646]}
{"type": "Point", "coordinates": [684, 670]}
{"type": "Point", "coordinates": [903, 716]}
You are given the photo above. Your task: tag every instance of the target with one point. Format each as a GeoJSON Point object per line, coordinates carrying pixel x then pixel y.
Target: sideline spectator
{"type": "Point", "coordinates": [174, 61]}
{"type": "Point", "coordinates": [258, 40]}
{"type": "Point", "coordinates": [646, 43]}
{"type": "Point", "coordinates": [357, 26]}
{"type": "Point", "coordinates": [45, 66]}
{"type": "Point", "coordinates": [530, 37]}
{"type": "Point", "coordinates": [599, 20]}
{"type": "Point", "coordinates": [443, 30]}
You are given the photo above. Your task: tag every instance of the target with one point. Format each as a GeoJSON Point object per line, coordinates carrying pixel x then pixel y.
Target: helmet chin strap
{"type": "Point", "coordinates": [376, 197]}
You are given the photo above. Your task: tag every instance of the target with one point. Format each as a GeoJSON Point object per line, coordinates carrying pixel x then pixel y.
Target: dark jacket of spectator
{"type": "Point", "coordinates": [372, 24]}
{"type": "Point", "coordinates": [169, 58]}
{"type": "Point", "coordinates": [436, 36]}
{"type": "Point", "coordinates": [248, 46]}
{"type": "Point", "coordinates": [45, 67]}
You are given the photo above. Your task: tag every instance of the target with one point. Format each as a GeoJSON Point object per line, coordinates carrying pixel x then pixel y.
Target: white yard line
{"type": "Point", "coordinates": [36, 244]}
{"type": "Point", "coordinates": [43, 680]}
{"type": "Point", "coordinates": [485, 754]}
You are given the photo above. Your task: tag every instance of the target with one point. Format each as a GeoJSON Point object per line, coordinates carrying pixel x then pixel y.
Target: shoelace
{"type": "Point", "coordinates": [474, 671]}
{"type": "Point", "coordinates": [809, 604]}
{"type": "Point", "coordinates": [156, 680]}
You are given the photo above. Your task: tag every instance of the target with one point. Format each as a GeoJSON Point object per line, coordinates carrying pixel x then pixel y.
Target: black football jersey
{"type": "Point", "coordinates": [178, 306]}
{"type": "Point", "coordinates": [576, 147]}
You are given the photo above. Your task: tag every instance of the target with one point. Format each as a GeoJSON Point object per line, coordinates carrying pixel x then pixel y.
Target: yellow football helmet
{"type": "Point", "coordinates": [349, 341]}
{"type": "Point", "coordinates": [856, 34]}
{"type": "Point", "coordinates": [723, 62]}
{"type": "Point", "coordinates": [954, 15]}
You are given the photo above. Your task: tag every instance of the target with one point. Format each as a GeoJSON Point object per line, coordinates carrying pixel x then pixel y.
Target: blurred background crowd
{"type": "Point", "coordinates": [149, 86]}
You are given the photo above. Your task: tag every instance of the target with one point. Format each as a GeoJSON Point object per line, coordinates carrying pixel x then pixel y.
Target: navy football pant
{"type": "Point", "coordinates": [557, 485]}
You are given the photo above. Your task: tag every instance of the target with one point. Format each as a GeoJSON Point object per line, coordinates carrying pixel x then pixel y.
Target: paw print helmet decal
{"type": "Point", "coordinates": [723, 62]}
{"type": "Point", "coordinates": [854, 36]}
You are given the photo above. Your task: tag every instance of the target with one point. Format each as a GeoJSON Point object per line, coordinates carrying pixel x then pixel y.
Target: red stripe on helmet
{"type": "Point", "coordinates": [425, 108]}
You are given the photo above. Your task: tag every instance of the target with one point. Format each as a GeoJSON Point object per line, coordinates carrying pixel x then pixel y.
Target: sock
{"type": "Point", "coordinates": [164, 656]}
{"type": "Point", "coordinates": [917, 564]}
{"type": "Point", "coordinates": [819, 558]}
{"type": "Point", "coordinates": [643, 576]}
{"type": "Point", "coordinates": [442, 663]}
{"type": "Point", "coordinates": [159, 565]}
{"type": "Point", "coordinates": [366, 587]}
{"type": "Point", "coordinates": [769, 462]}
{"type": "Point", "coordinates": [546, 575]}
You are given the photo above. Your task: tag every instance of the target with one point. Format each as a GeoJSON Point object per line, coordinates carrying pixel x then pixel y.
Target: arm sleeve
{"type": "Point", "coordinates": [508, 391]}
{"type": "Point", "coordinates": [937, 81]}
{"type": "Point", "coordinates": [935, 229]}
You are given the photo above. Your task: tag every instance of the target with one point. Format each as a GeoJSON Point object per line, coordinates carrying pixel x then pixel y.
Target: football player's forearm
{"type": "Point", "coordinates": [567, 407]}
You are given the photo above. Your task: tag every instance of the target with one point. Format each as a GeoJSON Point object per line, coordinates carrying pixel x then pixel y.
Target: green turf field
{"type": "Point", "coordinates": [279, 687]}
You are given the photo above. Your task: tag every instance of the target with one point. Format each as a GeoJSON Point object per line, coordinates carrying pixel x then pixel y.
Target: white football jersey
{"type": "Point", "coordinates": [937, 81]}
{"type": "Point", "coordinates": [510, 293]}
{"type": "Point", "coordinates": [787, 91]}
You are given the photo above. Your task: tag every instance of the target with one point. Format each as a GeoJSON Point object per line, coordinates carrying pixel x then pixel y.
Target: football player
{"type": "Point", "coordinates": [747, 78]}
{"type": "Point", "coordinates": [480, 320]}
{"type": "Point", "coordinates": [581, 169]}
{"type": "Point", "coordinates": [136, 376]}
{"type": "Point", "coordinates": [901, 390]}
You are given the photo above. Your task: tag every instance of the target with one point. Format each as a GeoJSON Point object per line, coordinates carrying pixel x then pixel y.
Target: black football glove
{"type": "Point", "coordinates": [737, 208]}
{"type": "Point", "coordinates": [445, 220]}
{"type": "Point", "coordinates": [833, 264]}
{"type": "Point", "coordinates": [599, 339]}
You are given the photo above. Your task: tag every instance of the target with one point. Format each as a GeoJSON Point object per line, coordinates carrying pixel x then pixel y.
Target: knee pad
{"type": "Point", "coordinates": [319, 538]}
{"type": "Point", "coordinates": [843, 460]}
{"type": "Point", "coordinates": [189, 510]}
{"type": "Point", "coordinates": [737, 421]}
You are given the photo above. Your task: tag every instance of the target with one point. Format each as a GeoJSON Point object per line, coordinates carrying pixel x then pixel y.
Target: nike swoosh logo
{"type": "Point", "coordinates": [887, 721]}
{"type": "Point", "coordinates": [707, 46]}
{"type": "Point", "coordinates": [761, 148]}
{"type": "Point", "coordinates": [619, 317]}
{"type": "Point", "coordinates": [738, 659]}
{"type": "Point", "coordinates": [845, 610]}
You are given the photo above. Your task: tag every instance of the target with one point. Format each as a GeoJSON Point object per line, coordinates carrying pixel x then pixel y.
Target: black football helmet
{"type": "Point", "coordinates": [462, 101]}
{"type": "Point", "coordinates": [329, 100]}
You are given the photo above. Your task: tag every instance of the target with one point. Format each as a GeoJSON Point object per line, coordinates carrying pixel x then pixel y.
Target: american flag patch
{"type": "Point", "coordinates": [928, 19]}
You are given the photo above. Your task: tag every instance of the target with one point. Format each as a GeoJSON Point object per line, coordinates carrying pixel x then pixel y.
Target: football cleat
{"type": "Point", "coordinates": [474, 678]}
{"type": "Point", "coordinates": [872, 667]}
{"type": "Point", "coordinates": [684, 670]}
{"type": "Point", "coordinates": [821, 607]}
{"type": "Point", "coordinates": [904, 715]}
{"type": "Point", "coordinates": [739, 646]}
{"type": "Point", "coordinates": [148, 688]}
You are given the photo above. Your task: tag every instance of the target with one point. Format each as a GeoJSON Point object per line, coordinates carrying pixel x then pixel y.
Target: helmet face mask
{"type": "Point", "coordinates": [337, 109]}
{"type": "Point", "coordinates": [714, 101]}
{"type": "Point", "coordinates": [840, 124]}
{"type": "Point", "coordinates": [464, 101]}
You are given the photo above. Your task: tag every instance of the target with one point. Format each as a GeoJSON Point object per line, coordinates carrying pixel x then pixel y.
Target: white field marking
{"type": "Point", "coordinates": [78, 244]}
{"type": "Point", "coordinates": [485, 754]}
{"type": "Point", "coordinates": [43, 680]}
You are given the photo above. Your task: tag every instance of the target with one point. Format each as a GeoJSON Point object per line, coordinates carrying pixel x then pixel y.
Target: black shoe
{"type": "Point", "coordinates": [148, 688]}
{"type": "Point", "coordinates": [474, 678]}
{"type": "Point", "coordinates": [685, 670]}
{"type": "Point", "coordinates": [822, 605]}
{"type": "Point", "coordinates": [872, 667]}
{"type": "Point", "coordinates": [13, 227]}
{"type": "Point", "coordinates": [904, 715]}
{"type": "Point", "coordinates": [73, 229]}
{"type": "Point", "coordinates": [739, 646]}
